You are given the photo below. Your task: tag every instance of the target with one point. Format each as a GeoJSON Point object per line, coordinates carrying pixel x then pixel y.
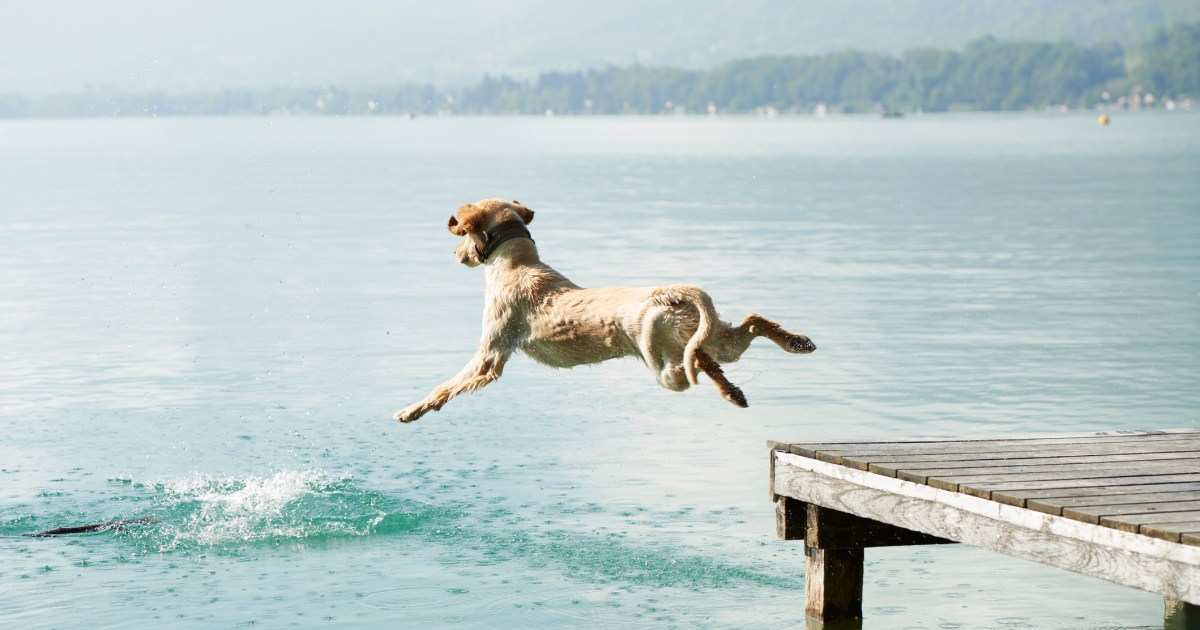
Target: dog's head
{"type": "Point", "coordinates": [473, 221]}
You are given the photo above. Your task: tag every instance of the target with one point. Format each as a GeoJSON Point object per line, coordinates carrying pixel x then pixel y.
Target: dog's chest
{"type": "Point", "coordinates": [567, 341]}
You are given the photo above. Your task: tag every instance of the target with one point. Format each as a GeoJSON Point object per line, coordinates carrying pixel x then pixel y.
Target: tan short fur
{"type": "Point", "coordinates": [528, 306]}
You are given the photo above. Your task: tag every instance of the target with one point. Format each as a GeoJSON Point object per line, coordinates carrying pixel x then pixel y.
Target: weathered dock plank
{"type": "Point", "coordinates": [1051, 494]}
{"type": "Point", "coordinates": [1058, 505]}
{"type": "Point", "coordinates": [1071, 470]}
{"type": "Point", "coordinates": [952, 478]}
{"type": "Point", "coordinates": [889, 465]}
{"type": "Point", "coordinates": [834, 452]}
{"type": "Point", "coordinates": [1174, 531]}
{"type": "Point", "coordinates": [1094, 513]}
{"type": "Point", "coordinates": [1013, 492]}
{"type": "Point", "coordinates": [1121, 506]}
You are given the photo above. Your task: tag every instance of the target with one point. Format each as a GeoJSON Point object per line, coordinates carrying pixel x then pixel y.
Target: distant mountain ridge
{"type": "Point", "coordinates": [147, 45]}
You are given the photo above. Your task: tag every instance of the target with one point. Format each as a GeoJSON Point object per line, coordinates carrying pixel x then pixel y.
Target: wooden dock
{"type": "Point", "coordinates": [1122, 506]}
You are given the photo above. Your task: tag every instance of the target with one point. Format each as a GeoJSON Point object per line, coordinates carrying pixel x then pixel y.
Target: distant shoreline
{"type": "Point", "coordinates": [986, 75]}
{"type": "Point", "coordinates": [691, 118]}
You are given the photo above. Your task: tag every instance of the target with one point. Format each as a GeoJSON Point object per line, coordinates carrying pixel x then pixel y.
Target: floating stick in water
{"type": "Point", "coordinates": [94, 527]}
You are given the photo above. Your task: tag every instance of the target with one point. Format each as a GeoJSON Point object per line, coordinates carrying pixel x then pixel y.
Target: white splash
{"type": "Point", "coordinates": [222, 510]}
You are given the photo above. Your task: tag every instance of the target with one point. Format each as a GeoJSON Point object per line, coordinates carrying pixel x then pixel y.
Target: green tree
{"type": "Point", "coordinates": [1169, 63]}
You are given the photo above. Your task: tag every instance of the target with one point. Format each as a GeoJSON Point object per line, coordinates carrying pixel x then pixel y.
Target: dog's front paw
{"type": "Point", "coordinates": [800, 344]}
{"type": "Point", "coordinates": [410, 413]}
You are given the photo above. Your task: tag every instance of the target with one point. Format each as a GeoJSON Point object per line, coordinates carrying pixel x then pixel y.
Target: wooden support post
{"type": "Point", "coordinates": [833, 550]}
{"type": "Point", "coordinates": [833, 584]}
{"type": "Point", "coordinates": [833, 580]}
{"type": "Point", "coordinates": [1180, 615]}
{"type": "Point", "coordinates": [790, 519]}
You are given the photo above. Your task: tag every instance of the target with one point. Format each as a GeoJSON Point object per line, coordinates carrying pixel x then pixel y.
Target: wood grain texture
{"type": "Point", "coordinates": [1071, 437]}
{"type": "Point", "coordinates": [1020, 488]}
{"type": "Point", "coordinates": [791, 520]}
{"type": "Point", "coordinates": [831, 529]}
{"type": "Point", "coordinates": [1036, 471]}
{"type": "Point", "coordinates": [1169, 569]}
{"type": "Point", "coordinates": [1020, 496]}
{"type": "Point", "coordinates": [833, 582]}
{"type": "Point", "coordinates": [889, 466]}
{"type": "Point", "coordinates": [1093, 514]}
{"type": "Point", "coordinates": [1175, 532]}
{"type": "Point", "coordinates": [1179, 615]}
{"type": "Point", "coordinates": [1131, 522]}
{"type": "Point", "coordinates": [1086, 470]}
{"type": "Point", "coordinates": [834, 452]}
{"type": "Point", "coordinates": [1057, 505]}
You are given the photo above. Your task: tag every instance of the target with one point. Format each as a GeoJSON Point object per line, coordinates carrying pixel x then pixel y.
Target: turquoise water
{"type": "Point", "coordinates": [210, 322]}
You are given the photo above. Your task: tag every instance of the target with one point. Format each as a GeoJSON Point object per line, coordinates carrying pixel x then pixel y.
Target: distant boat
{"type": "Point", "coordinates": [892, 115]}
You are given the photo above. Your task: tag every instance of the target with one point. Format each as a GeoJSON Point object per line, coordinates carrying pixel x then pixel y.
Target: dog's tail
{"type": "Point", "coordinates": [704, 329]}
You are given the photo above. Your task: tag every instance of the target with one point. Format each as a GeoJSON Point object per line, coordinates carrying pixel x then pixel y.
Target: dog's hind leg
{"type": "Point", "coordinates": [729, 345]}
{"type": "Point", "coordinates": [669, 374]}
{"type": "Point", "coordinates": [668, 371]}
{"type": "Point", "coordinates": [728, 390]}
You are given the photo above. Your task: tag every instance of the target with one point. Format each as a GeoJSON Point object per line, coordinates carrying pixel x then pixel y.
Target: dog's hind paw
{"type": "Point", "coordinates": [800, 344]}
{"type": "Point", "coordinates": [735, 396]}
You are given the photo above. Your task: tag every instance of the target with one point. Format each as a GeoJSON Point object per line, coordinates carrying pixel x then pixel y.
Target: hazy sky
{"type": "Point", "coordinates": [183, 45]}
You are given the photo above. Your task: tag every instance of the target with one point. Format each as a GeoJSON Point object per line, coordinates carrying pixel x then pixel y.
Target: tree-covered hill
{"type": "Point", "coordinates": [144, 46]}
{"type": "Point", "coordinates": [1169, 63]}
{"type": "Point", "coordinates": [986, 74]}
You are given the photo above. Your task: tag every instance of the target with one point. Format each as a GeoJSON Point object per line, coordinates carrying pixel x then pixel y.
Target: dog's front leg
{"type": "Point", "coordinates": [485, 367]}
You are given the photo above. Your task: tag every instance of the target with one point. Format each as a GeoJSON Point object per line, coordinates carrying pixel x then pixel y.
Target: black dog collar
{"type": "Point", "coordinates": [500, 234]}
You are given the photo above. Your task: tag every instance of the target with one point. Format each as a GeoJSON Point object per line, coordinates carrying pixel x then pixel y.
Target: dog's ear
{"type": "Point", "coordinates": [469, 218]}
{"type": "Point", "coordinates": [454, 227]}
{"type": "Point", "coordinates": [525, 213]}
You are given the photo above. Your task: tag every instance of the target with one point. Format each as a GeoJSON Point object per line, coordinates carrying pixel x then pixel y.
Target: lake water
{"type": "Point", "coordinates": [211, 322]}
